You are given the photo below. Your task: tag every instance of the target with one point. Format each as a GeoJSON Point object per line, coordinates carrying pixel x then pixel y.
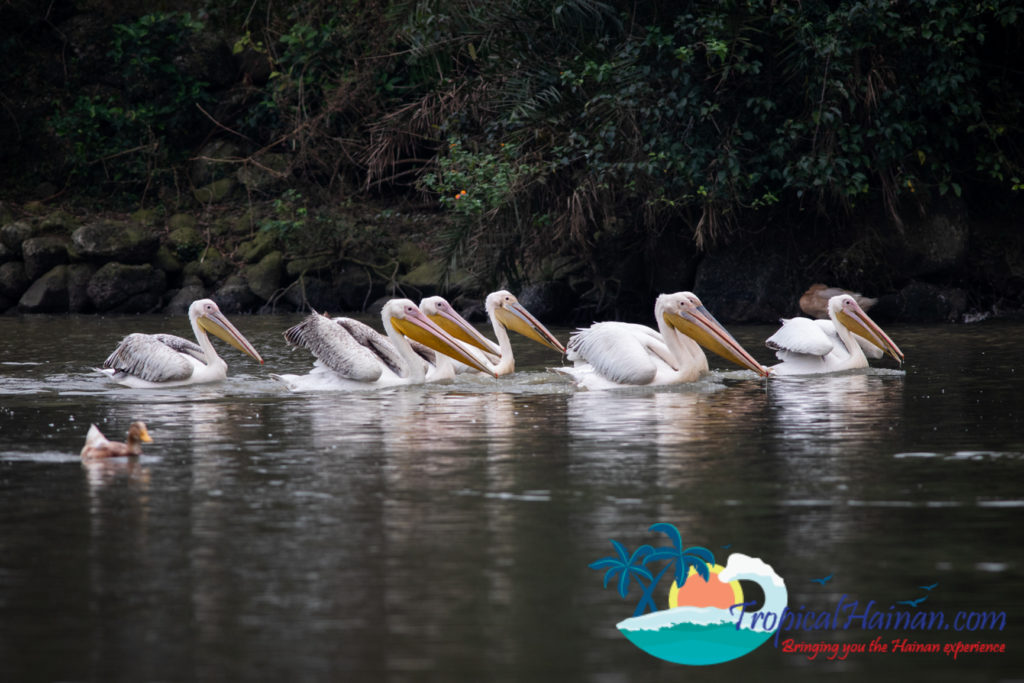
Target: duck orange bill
{"type": "Point", "coordinates": [860, 323]}
{"type": "Point", "coordinates": [137, 430]}
{"type": "Point", "coordinates": [515, 317]}
{"type": "Point", "coordinates": [418, 327]}
{"type": "Point", "coordinates": [218, 325]}
{"type": "Point", "coordinates": [458, 327]}
{"type": "Point", "coordinates": [704, 329]}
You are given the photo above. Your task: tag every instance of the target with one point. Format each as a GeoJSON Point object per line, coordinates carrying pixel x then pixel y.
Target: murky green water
{"type": "Point", "coordinates": [444, 532]}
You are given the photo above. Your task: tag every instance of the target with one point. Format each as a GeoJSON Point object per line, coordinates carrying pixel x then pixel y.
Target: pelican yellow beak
{"type": "Point", "coordinates": [861, 324]}
{"type": "Point", "coordinates": [515, 317]}
{"type": "Point", "coordinates": [144, 436]}
{"type": "Point", "coordinates": [420, 328]}
{"type": "Point", "coordinates": [218, 325]}
{"type": "Point", "coordinates": [704, 329]}
{"type": "Point", "coordinates": [458, 327]}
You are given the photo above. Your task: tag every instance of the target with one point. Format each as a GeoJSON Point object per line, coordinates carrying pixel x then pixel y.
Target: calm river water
{"type": "Point", "coordinates": [443, 533]}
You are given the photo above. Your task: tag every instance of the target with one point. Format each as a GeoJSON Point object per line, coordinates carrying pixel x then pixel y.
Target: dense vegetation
{"type": "Point", "coordinates": [553, 136]}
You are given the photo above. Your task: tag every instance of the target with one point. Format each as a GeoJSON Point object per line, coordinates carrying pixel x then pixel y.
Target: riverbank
{"type": "Point", "coordinates": [268, 257]}
{"type": "Point", "coordinates": [245, 256]}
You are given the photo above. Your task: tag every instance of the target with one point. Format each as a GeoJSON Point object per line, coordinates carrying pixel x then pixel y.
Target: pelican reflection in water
{"type": "Point", "coordinates": [163, 360]}
{"type": "Point", "coordinates": [616, 354]}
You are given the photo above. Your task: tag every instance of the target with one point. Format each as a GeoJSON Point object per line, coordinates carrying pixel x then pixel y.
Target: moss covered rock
{"type": "Point", "coordinates": [48, 294]}
{"type": "Point", "coordinates": [264, 278]}
{"type": "Point", "coordinates": [235, 296]}
{"type": "Point", "coordinates": [122, 241]}
{"type": "Point", "coordinates": [258, 247]}
{"type": "Point", "coordinates": [123, 288]}
{"type": "Point", "coordinates": [190, 291]}
{"type": "Point", "coordinates": [212, 267]}
{"type": "Point", "coordinates": [13, 281]}
{"type": "Point", "coordinates": [308, 265]}
{"type": "Point", "coordinates": [186, 242]}
{"type": "Point", "coordinates": [58, 222]}
{"type": "Point", "coordinates": [166, 260]}
{"type": "Point", "coordinates": [41, 254]}
{"type": "Point", "coordinates": [79, 275]}
{"type": "Point", "coordinates": [13, 234]}
{"type": "Point", "coordinates": [217, 191]}
{"type": "Point", "coordinates": [181, 220]}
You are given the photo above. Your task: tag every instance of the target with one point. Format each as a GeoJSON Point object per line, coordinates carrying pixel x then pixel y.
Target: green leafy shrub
{"type": "Point", "coordinates": [123, 138]}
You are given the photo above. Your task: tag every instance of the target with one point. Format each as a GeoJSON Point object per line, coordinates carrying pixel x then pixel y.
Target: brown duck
{"type": "Point", "coordinates": [98, 446]}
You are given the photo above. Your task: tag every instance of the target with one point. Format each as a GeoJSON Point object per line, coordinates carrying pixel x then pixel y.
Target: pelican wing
{"type": "Point", "coordinates": [182, 345]}
{"type": "Point", "coordinates": [802, 335]}
{"type": "Point", "coordinates": [428, 354]}
{"type": "Point", "coordinates": [375, 342]}
{"type": "Point", "coordinates": [621, 352]}
{"type": "Point", "coordinates": [150, 358]}
{"type": "Point", "coordinates": [333, 344]}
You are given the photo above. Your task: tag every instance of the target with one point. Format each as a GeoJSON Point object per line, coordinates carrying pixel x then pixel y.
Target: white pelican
{"type": "Point", "coordinates": [615, 354]}
{"type": "Point", "coordinates": [145, 361]}
{"type": "Point", "coordinates": [811, 347]}
{"type": "Point", "coordinates": [505, 312]}
{"type": "Point", "coordinates": [352, 355]}
{"type": "Point", "coordinates": [97, 445]}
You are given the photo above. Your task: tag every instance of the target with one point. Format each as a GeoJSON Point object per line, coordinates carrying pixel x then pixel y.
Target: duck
{"type": "Point", "coordinates": [98, 446]}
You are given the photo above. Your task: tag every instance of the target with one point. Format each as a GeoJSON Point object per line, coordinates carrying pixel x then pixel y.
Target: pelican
{"type": "Point", "coordinates": [615, 354]}
{"type": "Point", "coordinates": [811, 347]}
{"type": "Point", "coordinates": [505, 312]}
{"type": "Point", "coordinates": [352, 355]}
{"type": "Point", "coordinates": [145, 361]}
{"type": "Point", "coordinates": [814, 302]}
{"type": "Point", "coordinates": [97, 445]}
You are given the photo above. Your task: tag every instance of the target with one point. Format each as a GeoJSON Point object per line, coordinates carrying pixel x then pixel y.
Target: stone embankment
{"type": "Point", "coordinates": [58, 264]}
{"type": "Point", "coordinates": [144, 263]}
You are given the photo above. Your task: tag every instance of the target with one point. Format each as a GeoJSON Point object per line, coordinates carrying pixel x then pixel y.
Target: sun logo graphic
{"type": "Point", "coordinates": [708, 620]}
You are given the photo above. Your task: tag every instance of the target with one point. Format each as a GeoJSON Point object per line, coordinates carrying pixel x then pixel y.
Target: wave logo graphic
{"type": "Point", "coordinates": [707, 620]}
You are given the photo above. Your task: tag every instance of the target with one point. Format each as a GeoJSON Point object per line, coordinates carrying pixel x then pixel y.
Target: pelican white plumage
{"type": "Point", "coordinates": [812, 347]}
{"type": "Point", "coordinates": [505, 312]}
{"type": "Point", "coordinates": [609, 355]}
{"type": "Point", "coordinates": [145, 361]}
{"type": "Point", "coordinates": [352, 355]}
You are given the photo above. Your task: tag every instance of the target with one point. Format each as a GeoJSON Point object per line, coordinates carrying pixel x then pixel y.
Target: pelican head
{"type": "Point", "coordinates": [684, 312]}
{"type": "Point", "coordinates": [847, 312]}
{"type": "Point", "coordinates": [405, 318]}
{"type": "Point", "coordinates": [441, 312]}
{"type": "Point", "coordinates": [507, 310]}
{"type": "Point", "coordinates": [205, 314]}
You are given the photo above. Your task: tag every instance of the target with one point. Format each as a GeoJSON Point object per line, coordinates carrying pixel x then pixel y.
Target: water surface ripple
{"type": "Point", "coordinates": [443, 532]}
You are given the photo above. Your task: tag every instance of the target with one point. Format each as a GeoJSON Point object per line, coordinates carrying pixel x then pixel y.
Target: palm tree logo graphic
{"type": "Point", "coordinates": [705, 599]}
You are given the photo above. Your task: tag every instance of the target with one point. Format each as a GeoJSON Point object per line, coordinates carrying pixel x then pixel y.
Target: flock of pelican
{"type": "Point", "coordinates": [431, 342]}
